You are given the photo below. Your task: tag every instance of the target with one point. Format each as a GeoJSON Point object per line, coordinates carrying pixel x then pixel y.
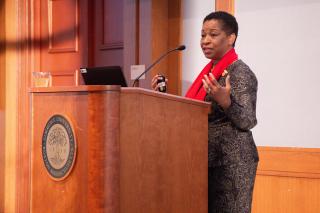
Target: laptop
{"type": "Point", "coordinates": [110, 75]}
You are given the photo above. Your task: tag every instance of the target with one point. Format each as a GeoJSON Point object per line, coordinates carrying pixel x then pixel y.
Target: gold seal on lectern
{"type": "Point", "coordinates": [58, 147]}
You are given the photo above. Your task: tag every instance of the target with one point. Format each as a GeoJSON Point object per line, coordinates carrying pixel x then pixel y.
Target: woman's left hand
{"type": "Point", "coordinates": [219, 93]}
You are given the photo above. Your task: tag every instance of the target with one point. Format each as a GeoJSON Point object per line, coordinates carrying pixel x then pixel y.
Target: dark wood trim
{"type": "Point", "coordinates": [111, 46]}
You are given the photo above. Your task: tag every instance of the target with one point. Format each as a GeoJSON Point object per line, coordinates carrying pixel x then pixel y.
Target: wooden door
{"type": "Point", "coordinates": [107, 38]}
{"type": "Point", "coordinates": [79, 33]}
{"type": "Point", "coordinates": [64, 36]}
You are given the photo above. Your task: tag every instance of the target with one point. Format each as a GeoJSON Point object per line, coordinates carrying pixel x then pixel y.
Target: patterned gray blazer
{"type": "Point", "coordinates": [230, 138]}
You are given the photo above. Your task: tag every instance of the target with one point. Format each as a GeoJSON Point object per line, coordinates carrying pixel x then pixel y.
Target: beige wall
{"type": "Point", "coordinates": [282, 58]}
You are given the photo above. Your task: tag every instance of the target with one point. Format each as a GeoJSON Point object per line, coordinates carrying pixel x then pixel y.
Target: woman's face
{"type": "Point", "coordinates": [214, 41]}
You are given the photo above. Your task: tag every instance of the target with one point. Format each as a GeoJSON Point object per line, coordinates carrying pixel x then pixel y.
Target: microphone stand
{"type": "Point", "coordinates": [182, 47]}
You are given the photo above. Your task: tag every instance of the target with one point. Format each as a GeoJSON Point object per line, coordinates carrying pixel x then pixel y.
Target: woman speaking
{"type": "Point", "coordinates": [231, 88]}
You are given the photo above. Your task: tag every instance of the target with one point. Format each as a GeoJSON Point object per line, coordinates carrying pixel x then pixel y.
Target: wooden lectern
{"type": "Point", "coordinates": [135, 151]}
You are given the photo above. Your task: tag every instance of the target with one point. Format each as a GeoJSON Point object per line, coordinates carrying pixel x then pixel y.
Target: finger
{"type": "Point", "coordinates": [154, 84]}
{"type": "Point", "coordinates": [214, 81]}
{"type": "Point", "coordinates": [154, 81]}
{"type": "Point", "coordinates": [205, 85]}
{"type": "Point", "coordinates": [209, 82]}
{"type": "Point", "coordinates": [157, 87]}
{"type": "Point", "coordinates": [228, 84]}
{"type": "Point", "coordinates": [155, 77]}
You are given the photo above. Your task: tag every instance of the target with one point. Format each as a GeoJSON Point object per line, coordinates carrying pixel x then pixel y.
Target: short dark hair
{"type": "Point", "coordinates": [229, 22]}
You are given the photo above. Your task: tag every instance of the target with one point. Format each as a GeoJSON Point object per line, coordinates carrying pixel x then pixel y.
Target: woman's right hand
{"type": "Point", "coordinates": [154, 84]}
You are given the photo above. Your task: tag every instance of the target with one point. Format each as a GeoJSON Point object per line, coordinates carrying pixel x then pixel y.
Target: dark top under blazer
{"type": "Point", "coordinates": [230, 138]}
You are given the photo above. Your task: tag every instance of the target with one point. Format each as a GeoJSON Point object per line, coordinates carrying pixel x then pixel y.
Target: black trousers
{"type": "Point", "coordinates": [231, 187]}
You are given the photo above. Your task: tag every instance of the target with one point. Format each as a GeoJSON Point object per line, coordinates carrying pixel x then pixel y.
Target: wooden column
{"type": "Point", "coordinates": [159, 35]}
{"type": "Point", "coordinates": [166, 30]}
{"type": "Point", "coordinates": [23, 81]}
{"type": "Point", "coordinates": [225, 5]}
{"type": "Point", "coordinates": [2, 102]}
{"type": "Point", "coordinates": [174, 68]}
{"type": "Point", "coordinates": [160, 30]}
{"type": "Point", "coordinates": [11, 105]}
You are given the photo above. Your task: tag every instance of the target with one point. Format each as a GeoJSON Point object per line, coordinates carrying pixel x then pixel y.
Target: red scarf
{"type": "Point", "coordinates": [196, 90]}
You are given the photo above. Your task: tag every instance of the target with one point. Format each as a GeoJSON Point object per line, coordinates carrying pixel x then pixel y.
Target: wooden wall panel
{"type": "Point", "coordinates": [288, 180]}
{"type": "Point", "coordinates": [289, 162]}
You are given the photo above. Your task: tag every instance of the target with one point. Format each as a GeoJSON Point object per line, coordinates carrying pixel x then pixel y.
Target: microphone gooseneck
{"type": "Point", "coordinates": [179, 48]}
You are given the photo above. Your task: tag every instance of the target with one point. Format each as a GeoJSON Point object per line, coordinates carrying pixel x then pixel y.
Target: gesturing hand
{"type": "Point", "coordinates": [154, 84]}
{"type": "Point", "coordinates": [219, 93]}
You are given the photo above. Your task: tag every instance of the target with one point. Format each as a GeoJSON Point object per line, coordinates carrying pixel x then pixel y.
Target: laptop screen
{"type": "Point", "coordinates": [110, 75]}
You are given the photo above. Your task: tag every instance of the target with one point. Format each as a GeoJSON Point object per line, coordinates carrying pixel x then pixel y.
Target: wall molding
{"type": "Point", "coordinates": [289, 162]}
{"type": "Point", "coordinates": [112, 45]}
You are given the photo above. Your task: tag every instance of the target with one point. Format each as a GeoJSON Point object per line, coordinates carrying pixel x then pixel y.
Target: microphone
{"type": "Point", "coordinates": [179, 48]}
